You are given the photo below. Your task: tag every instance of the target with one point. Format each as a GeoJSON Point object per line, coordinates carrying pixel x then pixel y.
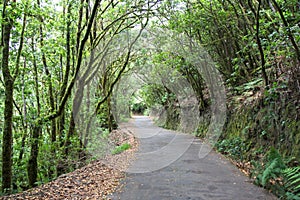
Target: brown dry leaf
{"type": "Point", "coordinates": [93, 181]}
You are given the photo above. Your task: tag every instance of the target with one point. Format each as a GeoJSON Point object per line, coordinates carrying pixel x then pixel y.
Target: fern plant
{"type": "Point", "coordinates": [272, 171]}
{"type": "Point", "coordinates": [292, 183]}
{"type": "Point", "coordinates": [270, 177]}
{"type": "Point", "coordinates": [274, 166]}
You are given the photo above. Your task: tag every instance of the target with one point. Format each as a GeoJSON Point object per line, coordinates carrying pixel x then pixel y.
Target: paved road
{"type": "Point", "coordinates": [168, 167]}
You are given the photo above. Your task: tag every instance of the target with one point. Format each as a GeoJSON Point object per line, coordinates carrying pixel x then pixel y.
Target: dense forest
{"type": "Point", "coordinates": [67, 65]}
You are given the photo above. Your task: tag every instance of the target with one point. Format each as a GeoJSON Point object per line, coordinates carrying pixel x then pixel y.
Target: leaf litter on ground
{"type": "Point", "coordinates": [93, 181]}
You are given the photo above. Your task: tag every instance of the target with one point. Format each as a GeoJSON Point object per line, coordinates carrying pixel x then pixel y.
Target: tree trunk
{"type": "Point", "coordinates": [258, 40]}
{"type": "Point", "coordinates": [260, 47]}
{"type": "Point", "coordinates": [7, 137]}
{"type": "Point", "coordinates": [8, 105]}
{"type": "Point", "coordinates": [32, 168]}
{"type": "Point", "coordinates": [289, 33]}
{"type": "Point", "coordinates": [24, 116]}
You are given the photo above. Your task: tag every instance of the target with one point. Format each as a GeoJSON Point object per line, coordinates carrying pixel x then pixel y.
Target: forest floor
{"type": "Point", "coordinates": [93, 181]}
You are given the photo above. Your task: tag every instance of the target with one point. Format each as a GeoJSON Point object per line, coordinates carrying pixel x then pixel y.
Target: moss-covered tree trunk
{"type": "Point", "coordinates": [7, 137]}
{"type": "Point", "coordinates": [32, 169]}
{"type": "Point", "coordinates": [8, 104]}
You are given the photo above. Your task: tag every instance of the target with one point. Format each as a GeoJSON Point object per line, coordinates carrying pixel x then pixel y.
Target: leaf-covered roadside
{"type": "Point", "coordinates": [93, 181]}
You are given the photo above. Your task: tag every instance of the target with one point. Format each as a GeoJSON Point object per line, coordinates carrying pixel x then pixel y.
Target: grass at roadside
{"type": "Point", "coordinates": [120, 149]}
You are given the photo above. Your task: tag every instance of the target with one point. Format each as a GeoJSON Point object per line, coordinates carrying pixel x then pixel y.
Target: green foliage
{"type": "Point", "coordinates": [202, 128]}
{"type": "Point", "coordinates": [250, 86]}
{"type": "Point", "coordinates": [271, 174]}
{"type": "Point", "coordinates": [138, 108]}
{"type": "Point", "coordinates": [292, 183]}
{"type": "Point", "coordinates": [105, 119]}
{"type": "Point", "coordinates": [120, 149]}
{"type": "Point", "coordinates": [154, 94]}
{"type": "Point", "coordinates": [235, 147]}
{"type": "Point", "coordinates": [275, 176]}
{"type": "Point", "coordinates": [20, 181]}
{"type": "Point", "coordinates": [272, 94]}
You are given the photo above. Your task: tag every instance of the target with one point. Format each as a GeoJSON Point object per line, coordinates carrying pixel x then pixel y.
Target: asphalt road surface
{"type": "Point", "coordinates": [168, 166]}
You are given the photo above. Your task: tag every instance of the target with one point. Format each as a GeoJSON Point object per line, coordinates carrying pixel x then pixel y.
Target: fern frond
{"type": "Point", "coordinates": [271, 171]}
{"type": "Point", "coordinates": [292, 181]}
{"type": "Point", "coordinates": [291, 172]}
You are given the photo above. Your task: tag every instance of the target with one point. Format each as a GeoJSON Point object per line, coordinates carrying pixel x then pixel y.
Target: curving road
{"type": "Point", "coordinates": [168, 167]}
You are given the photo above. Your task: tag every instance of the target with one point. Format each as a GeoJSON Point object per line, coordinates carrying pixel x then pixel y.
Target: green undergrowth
{"type": "Point", "coordinates": [263, 131]}
{"type": "Point", "coordinates": [275, 174]}
{"type": "Point", "coordinates": [120, 149]}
